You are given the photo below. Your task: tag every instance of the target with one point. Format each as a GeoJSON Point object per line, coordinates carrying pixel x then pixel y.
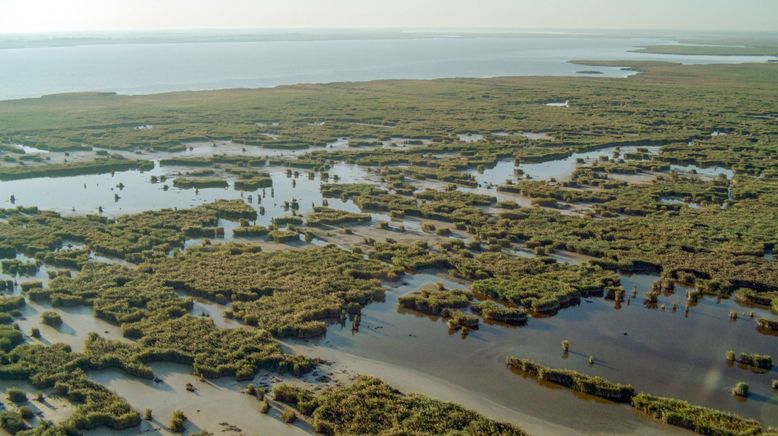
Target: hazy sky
{"type": "Point", "coordinates": [87, 15]}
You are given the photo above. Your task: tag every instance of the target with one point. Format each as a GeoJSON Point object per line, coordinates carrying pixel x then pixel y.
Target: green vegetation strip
{"type": "Point", "coordinates": [679, 413]}
{"type": "Point", "coordinates": [369, 406]}
{"type": "Point", "coordinates": [74, 169]}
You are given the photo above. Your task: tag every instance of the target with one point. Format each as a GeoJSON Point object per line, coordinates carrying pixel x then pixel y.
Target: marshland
{"type": "Point", "coordinates": [253, 260]}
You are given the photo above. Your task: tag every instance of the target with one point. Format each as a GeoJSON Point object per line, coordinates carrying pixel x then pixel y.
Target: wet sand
{"type": "Point", "coordinates": [217, 406]}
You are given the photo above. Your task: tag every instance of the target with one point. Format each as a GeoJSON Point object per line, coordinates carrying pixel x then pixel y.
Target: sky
{"type": "Point", "coordinates": [121, 15]}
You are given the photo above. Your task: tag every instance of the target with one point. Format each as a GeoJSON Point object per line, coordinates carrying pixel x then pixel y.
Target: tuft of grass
{"type": "Point", "coordinates": [177, 421]}
{"type": "Point", "coordinates": [16, 395]}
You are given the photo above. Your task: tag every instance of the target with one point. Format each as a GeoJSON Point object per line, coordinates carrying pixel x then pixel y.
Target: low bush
{"type": "Point", "coordinates": [177, 421]}
{"type": "Point", "coordinates": [51, 318]}
{"type": "Point", "coordinates": [288, 416]}
{"type": "Point", "coordinates": [574, 380]}
{"type": "Point", "coordinates": [492, 311]}
{"type": "Point", "coordinates": [369, 406]}
{"type": "Point", "coordinates": [16, 395]}
{"type": "Point", "coordinates": [433, 301]}
{"type": "Point", "coordinates": [12, 422]}
{"type": "Point", "coordinates": [698, 419]}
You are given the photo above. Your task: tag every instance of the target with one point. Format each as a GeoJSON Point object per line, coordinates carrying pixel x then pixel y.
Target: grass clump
{"type": "Point", "coordinates": [757, 360]}
{"type": "Point", "coordinates": [212, 352]}
{"type": "Point", "coordinates": [287, 292]}
{"type": "Point", "coordinates": [9, 303]}
{"type": "Point", "coordinates": [702, 420]}
{"type": "Point", "coordinates": [16, 395]}
{"type": "Point", "coordinates": [741, 389]}
{"type": "Point", "coordinates": [51, 318]}
{"type": "Point", "coordinates": [328, 216]}
{"type": "Point", "coordinates": [492, 311]}
{"type": "Point", "coordinates": [284, 235]}
{"type": "Point", "coordinates": [457, 319]}
{"type": "Point", "coordinates": [12, 422]}
{"type": "Point", "coordinates": [14, 267]}
{"type": "Point", "coordinates": [199, 183]}
{"type": "Point", "coordinates": [177, 421]}
{"type": "Point", "coordinates": [56, 367]}
{"type": "Point", "coordinates": [767, 324]}
{"type": "Point", "coordinates": [288, 416]}
{"type": "Point", "coordinates": [538, 294]}
{"type": "Point", "coordinates": [370, 406]}
{"type": "Point", "coordinates": [98, 166]}
{"type": "Point", "coordinates": [433, 300]}
{"type": "Point", "coordinates": [249, 231]}
{"type": "Point", "coordinates": [252, 182]}
{"type": "Point", "coordinates": [574, 380]}
{"type": "Point", "coordinates": [26, 412]}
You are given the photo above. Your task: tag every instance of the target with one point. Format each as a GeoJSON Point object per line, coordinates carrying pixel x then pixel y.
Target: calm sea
{"type": "Point", "coordinates": [157, 67]}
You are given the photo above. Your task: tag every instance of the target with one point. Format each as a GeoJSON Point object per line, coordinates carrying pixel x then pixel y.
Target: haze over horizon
{"type": "Point", "coordinates": [22, 16]}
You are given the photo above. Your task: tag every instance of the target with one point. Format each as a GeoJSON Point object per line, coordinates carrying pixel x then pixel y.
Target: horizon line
{"type": "Point", "coordinates": [431, 28]}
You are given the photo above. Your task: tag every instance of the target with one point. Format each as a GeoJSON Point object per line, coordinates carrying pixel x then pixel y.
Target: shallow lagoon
{"type": "Point", "coordinates": [84, 194]}
{"type": "Point", "coordinates": [663, 352]}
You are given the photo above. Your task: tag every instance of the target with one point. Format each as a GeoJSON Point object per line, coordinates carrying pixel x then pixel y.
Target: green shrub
{"type": "Point", "coordinates": [177, 421]}
{"type": "Point", "coordinates": [369, 406]}
{"type": "Point", "coordinates": [699, 419]}
{"type": "Point", "coordinates": [288, 416]}
{"type": "Point", "coordinates": [433, 301]}
{"type": "Point", "coordinates": [574, 380]}
{"type": "Point", "coordinates": [458, 319]}
{"type": "Point", "coordinates": [26, 412]}
{"type": "Point", "coordinates": [8, 304]}
{"type": "Point", "coordinates": [51, 318]}
{"type": "Point", "coordinates": [741, 389]}
{"type": "Point", "coordinates": [16, 395]}
{"type": "Point", "coordinates": [492, 311]}
{"type": "Point", "coordinates": [12, 422]}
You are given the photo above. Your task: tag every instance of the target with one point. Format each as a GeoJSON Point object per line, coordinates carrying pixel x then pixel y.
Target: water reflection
{"type": "Point", "coordinates": [84, 194]}
{"type": "Point", "coordinates": [663, 352]}
{"type": "Point", "coordinates": [557, 169]}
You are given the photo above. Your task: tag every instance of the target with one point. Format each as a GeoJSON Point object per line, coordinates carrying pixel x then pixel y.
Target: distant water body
{"type": "Point", "coordinates": [143, 68]}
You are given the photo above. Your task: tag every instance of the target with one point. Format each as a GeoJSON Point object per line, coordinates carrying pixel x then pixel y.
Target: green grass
{"type": "Point", "coordinates": [288, 292]}
{"type": "Point", "coordinates": [573, 380]}
{"type": "Point", "coordinates": [698, 419]}
{"type": "Point", "coordinates": [370, 406]}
